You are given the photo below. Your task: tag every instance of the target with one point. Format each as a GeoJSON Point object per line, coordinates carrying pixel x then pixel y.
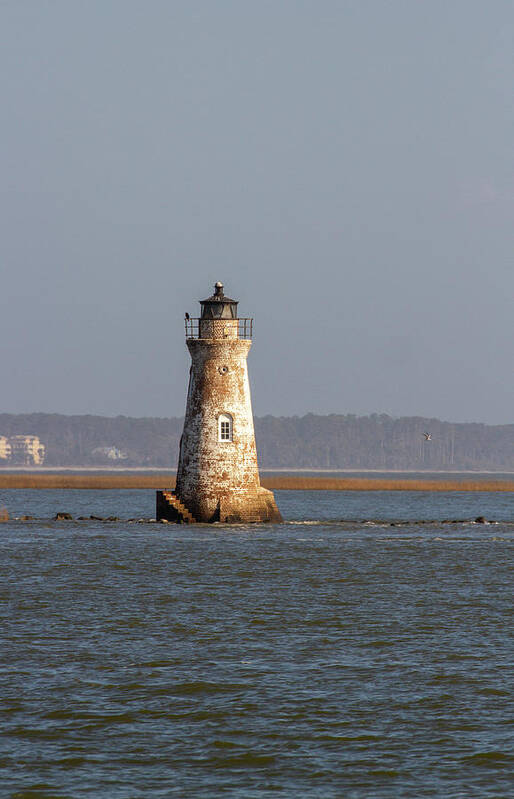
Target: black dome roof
{"type": "Point", "coordinates": [218, 296]}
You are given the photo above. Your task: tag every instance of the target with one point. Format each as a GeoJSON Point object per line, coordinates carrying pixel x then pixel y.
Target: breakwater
{"type": "Point", "coordinates": [159, 481]}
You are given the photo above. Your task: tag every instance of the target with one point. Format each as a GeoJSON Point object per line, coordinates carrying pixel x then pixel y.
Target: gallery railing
{"type": "Point", "coordinates": [218, 328]}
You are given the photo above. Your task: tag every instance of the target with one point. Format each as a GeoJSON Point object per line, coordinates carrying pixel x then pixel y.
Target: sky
{"type": "Point", "coordinates": [345, 168]}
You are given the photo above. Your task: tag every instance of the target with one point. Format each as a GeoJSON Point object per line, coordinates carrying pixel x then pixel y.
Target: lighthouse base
{"type": "Point", "coordinates": [248, 507]}
{"type": "Point", "coordinates": [237, 507]}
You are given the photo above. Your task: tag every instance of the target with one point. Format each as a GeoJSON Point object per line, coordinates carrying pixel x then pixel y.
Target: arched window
{"type": "Point", "coordinates": [224, 427]}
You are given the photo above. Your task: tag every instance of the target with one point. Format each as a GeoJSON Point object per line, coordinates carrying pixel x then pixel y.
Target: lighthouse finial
{"type": "Point", "coordinates": [218, 289]}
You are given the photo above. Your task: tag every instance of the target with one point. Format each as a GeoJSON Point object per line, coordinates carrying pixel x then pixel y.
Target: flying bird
{"type": "Point", "coordinates": [428, 436]}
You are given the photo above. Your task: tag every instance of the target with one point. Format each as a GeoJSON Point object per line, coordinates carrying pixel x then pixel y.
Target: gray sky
{"type": "Point", "coordinates": [345, 168]}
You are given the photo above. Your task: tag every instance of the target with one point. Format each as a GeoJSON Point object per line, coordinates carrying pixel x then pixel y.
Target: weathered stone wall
{"type": "Point", "coordinates": [219, 480]}
{"type": "Point", "coordinates": [218, 328]}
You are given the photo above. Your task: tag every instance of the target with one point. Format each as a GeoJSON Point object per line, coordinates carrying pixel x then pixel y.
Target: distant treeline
{"type": "Point", "coordinates": [309, 442]}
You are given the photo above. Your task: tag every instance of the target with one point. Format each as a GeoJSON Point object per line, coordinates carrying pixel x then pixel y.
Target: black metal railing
{"type": "Point", "coordinates": [218, 326]}
{"type": "Point", "coordinates": [245, 328]}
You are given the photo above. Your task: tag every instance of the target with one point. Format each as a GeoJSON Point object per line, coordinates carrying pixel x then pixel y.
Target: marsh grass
{"type": "Point", "coordinates": [95, 482]}
{"type": "Point", "coordinates": [381, 484]}
{"type": "Point", "coordinates": [32, 480]}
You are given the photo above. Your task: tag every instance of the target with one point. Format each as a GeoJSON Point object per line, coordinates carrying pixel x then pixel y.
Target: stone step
{"type": "Point", "coordinates": [179, 506]}
{"type": "Point", "coordinates": [182, 508]}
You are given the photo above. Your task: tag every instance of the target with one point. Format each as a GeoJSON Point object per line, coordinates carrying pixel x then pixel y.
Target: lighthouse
{"type": "Point", "coordinates": [217, 475]}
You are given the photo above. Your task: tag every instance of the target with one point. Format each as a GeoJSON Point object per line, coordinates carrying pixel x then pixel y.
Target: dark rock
{"type": "Point", "coordinates": [97, 518]}
{"type": "Point", "coordinates": [112, 519]}
{"type": "Point", "coordinates": [481, 520]}
{"type": "Point", "coordinates": [83, 518]}
{"type": "Point", "coordinates": [63, 517]}
{"type": "Point", "coordinates": [26, 518]}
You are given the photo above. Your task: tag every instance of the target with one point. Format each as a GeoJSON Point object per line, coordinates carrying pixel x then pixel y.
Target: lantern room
{"type": "Point", "coordinates": [218, 306]}
{"type": "Point", "coordinates": [218, 319]}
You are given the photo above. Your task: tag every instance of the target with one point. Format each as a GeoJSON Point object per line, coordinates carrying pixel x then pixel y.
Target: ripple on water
{"type": "Point", "coordinates": [309, 659]}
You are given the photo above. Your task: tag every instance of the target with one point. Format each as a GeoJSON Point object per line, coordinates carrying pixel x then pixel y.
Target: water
{"type": "Point", "coordinates": [297, 505]}
{"type": "Point", "coordinates": [320, 658]}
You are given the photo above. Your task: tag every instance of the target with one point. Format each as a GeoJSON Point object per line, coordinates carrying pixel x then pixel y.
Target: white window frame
{"type": "Point", "coordinates": [225, 428]}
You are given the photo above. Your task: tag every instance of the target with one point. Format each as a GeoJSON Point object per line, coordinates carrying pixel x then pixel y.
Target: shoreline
{"type": "Point", "coordinates": [270, 470]}
{"type": "Point", "coordinates": [166, 480]}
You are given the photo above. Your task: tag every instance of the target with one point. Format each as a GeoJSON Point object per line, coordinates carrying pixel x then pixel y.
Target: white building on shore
{"type": "Point", "coordinates": [27, 450]}
{"type": "Point", "coordinates": [5, 449]}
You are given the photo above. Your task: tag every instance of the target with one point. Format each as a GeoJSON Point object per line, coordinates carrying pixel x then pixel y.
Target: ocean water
{"type": "Point", "coordinates": [364, 648]}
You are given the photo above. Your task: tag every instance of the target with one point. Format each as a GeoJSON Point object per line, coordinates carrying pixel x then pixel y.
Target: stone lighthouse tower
{"type": "Point", "coordinates": [217, 476]}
